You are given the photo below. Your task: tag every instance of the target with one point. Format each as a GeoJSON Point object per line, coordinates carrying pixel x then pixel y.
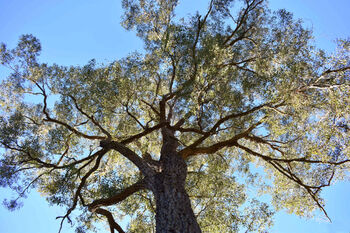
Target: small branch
{"type": "Point", "coordinates": [242, 19]}
{"type": "Point", "coordinates": [190, 130]}
{"type": "Point", "coordinates": [303, 159]}
{"type": "Point", "coordinates": [291, 176]}
{"type": "Point", "coordinates": [133, 117]}
{"type": "Point", "coordinates": [72, 129]}
{"type": "Point", "coordinates": [90, 117]}
{"type": "Point", "coordinates": [49, 165]}
{"type": "Point", "coordinates": [99, 155]}
{"type": "Point", "coordinates": [200, 26]}
{"type": "Point", "coordinates": [224, 119]}
{"type": "Point", "coordinates": [173, 75]}
{"type": "Point", "coordinates": [232, 63]}
{"type": "Point", "coordinates": [144, 133]}
{"type": "Point", "coordinates": [152, 107]}
{"type": "Point", "coordinates": [335, 71]}
{"type": "Point", "coordinates": [194, 150]}
{"type": "Point", "coordinates": [294, 178]}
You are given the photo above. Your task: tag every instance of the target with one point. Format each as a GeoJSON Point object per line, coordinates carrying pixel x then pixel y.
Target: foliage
{"type": "Point", "coordinates": [240, 86]}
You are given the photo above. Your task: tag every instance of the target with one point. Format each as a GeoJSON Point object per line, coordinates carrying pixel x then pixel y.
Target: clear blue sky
{"type": "Point", "coordinates": [73, 32]}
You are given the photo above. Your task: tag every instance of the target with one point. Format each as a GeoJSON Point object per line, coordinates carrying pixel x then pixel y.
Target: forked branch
{"type": "Point", "coordinates": [77, 193]}
{"type": "Point", "coordinates": [53, 120]}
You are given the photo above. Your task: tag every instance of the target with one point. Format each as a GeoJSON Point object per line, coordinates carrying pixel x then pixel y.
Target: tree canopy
{"type": "Point", "coordinates": [235, 88]}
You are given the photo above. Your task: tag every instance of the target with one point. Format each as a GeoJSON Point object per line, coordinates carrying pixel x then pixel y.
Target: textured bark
{"type": "Point", "coordinates": [174, 213]}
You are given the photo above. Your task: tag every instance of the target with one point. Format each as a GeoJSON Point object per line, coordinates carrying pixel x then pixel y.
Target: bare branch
{"type": "Point", "coordinates": [327, 84]}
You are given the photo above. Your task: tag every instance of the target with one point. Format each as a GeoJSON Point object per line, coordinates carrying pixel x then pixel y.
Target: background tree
{"type": "Point", "coordinates": [209, 96]}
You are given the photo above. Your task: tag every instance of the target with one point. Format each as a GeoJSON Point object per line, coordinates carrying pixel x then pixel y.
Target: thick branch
{"type": "Point", "coordinates": [129, 154]}
{"type": "Point", "coordinates": [112, 224]}
{"type": "Point", "coordinates": [240, 114]}
{"type": "Point", "coordinates": [191, 130]}
{"type": "Point", "coordinates": [118, 197]}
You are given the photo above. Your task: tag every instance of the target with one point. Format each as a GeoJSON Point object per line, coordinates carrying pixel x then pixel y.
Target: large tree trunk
{"type": "Point", "coordinates": [174, 213]}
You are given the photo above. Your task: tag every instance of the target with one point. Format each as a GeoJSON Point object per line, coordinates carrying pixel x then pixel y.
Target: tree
{"type": "Point", "coordinates": [170, 135]}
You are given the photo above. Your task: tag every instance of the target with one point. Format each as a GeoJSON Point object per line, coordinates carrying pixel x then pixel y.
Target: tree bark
{"type": "Point", "coordinates": [174, 213]}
